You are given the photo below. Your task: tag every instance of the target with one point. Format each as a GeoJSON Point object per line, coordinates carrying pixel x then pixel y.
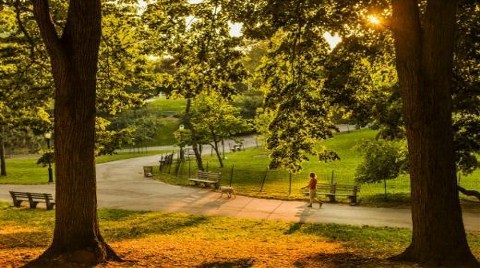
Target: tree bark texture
{"type": "Point", "coordinates": [74, 58]}
{"type": "Point", "coordinates": [424, 53]}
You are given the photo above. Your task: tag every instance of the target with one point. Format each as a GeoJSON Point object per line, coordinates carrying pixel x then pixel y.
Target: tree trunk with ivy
{"type": "Point", "coordinates": [424, 53]}
{"type": "Point", "coordinates": [74, 57]}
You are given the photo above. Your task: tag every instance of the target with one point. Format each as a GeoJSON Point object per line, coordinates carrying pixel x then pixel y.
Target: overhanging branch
{"type": "Point", "coordinates": [469, 192]}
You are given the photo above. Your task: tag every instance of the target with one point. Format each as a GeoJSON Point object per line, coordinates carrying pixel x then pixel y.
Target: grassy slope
{"type": "Point", "coordinates": [250, 169]}
{"type": "Point", "coordinates": [167, 109]}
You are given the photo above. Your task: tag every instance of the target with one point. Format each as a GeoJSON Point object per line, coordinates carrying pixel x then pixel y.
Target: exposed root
{"type": "Point", "coordinates": [88, 257]}
{"type": "Point", "coordinates": [468, 261]}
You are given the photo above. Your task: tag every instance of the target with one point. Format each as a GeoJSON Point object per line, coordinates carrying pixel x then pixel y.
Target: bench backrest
{"type": "Point", "coordinates": [34, 196]}
{"type": "Point", "coordinates": [19, 194]}
{"type": "Point", "coordinates": [347, 188]}
{"type": "Point", "coordinates": [208, 175]}
{"type": "Point", "coordinates": [325, 187]}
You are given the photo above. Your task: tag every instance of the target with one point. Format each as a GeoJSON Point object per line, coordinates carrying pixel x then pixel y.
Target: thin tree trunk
{"type": "Point", "coordinates": [188, 124]}
{"type": "Point", "coordinates": [3, 165]}
{"type": "Point", "coordinates": [217, 152]}
{"type": "Point", "coordinates": [74, 57]}
{"type": "Point", "coordinates": [424, 52]}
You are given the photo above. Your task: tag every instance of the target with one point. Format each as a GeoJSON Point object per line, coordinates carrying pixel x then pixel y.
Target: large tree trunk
{"type": "Point", "coordinates": [424, 52]}
{"type": "Point", "coordinates": [74, 59]}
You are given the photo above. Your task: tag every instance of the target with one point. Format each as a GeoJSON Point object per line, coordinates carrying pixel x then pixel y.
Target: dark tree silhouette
{"type": "Point", "coordinates": [74, 57]}
{"type": "Point", "coordinates": [424, 57]}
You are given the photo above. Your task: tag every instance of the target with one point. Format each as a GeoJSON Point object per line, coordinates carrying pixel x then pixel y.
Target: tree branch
{"type": "Point", "coordinates": [469, 192]}
{"type": "Point", "coordinates": [47, 28]}
{"type": "Point", "coordinates": [23, 29]}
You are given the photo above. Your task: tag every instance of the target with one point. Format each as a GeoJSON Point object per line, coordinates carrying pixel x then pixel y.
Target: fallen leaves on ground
{"type": "Point", "coordinates": [165, 251]}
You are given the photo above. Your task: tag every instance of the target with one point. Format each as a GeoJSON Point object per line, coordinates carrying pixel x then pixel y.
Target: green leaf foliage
{"type": "Point", "coordinates": [383, 160]}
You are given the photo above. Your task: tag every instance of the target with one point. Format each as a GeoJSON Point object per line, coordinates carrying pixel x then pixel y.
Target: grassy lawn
{"type": "Point", "coordinates": [169, 109]}
{"type": "Point", "coordinates": [172, 239]}
{"type": "Point", "coordinates": [25, 170]}
{"type": "Point", "coordinates": [169, 106]}
{"type": "Point", "coordinates": [165, 137]}
{"type": "Point", "coordinates": [247, 171]}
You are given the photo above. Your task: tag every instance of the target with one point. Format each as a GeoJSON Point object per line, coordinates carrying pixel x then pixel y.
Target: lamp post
{"type": "Point", "coordinates": [48, 136]}
{"type": "Point", "coordinates": [182, 152]}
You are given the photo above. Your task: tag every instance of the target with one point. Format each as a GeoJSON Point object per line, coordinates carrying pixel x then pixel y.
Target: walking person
{"type": "Point", "coordinates": [312, 190]}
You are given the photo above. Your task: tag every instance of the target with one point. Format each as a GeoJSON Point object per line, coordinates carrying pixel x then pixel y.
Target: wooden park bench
{"type": "Point", "coordinates": [33, 199]}
{"type": "Point", "coordinates": [333, 190]}
{"type": "Point", "coordinates": [207, 179]}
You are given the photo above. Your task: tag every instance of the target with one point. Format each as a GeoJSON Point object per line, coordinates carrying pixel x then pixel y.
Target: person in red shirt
{"type": "Point", "coordinates": [312, 190]}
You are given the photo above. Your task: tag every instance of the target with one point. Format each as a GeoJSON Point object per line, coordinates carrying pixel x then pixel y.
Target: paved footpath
{"type": "Point", "coordinates": [121, 185]}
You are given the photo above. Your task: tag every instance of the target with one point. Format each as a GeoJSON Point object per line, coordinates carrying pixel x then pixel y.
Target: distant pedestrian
{"type": "Point", "coordinates": [312, 190]}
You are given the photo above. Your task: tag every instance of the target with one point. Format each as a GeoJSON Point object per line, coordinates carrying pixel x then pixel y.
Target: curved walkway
{"type": "Point", "coordinates": [121, 185]}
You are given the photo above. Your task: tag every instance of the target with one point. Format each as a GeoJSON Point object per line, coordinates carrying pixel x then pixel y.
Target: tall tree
{"type": "Point", "coordinates": [424, 38]}
{"type": "Point", "coordinates": [216, 120]}
{"type": "Point", "coordinates": [24, 78]}
{"type": "Point", "coordinates": [74, 57]}
{"type": "Point", "coordinates": [424, 46]}
{"type": "Point", "coordinates": [203, 56]}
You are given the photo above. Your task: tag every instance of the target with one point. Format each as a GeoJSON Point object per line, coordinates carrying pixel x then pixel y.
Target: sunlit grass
{"type": "Point", "coordinates": [168, 106]}
{"type": "Point", "coordinates": [30, 228]}
{"type": "Point", "coordinates": [247, 170]}
{"type": "Point", "coordinates": [24, 170]}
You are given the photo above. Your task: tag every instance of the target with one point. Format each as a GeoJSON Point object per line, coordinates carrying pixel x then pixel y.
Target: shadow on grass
{"type": "Point", "coordinates": [395, 200]}
{"type": "Point", "coordinates": [347, 260]}
{"type": "Point", "coordinates": [25, 239]}
{"type": "Point", "coordinates": [294, 228]}
{"type": "Point", "coordinates": [142, 225]}
{"type": "Point", "coordinates": [351, 233]}
{"type": "Point", "coordinates": [118, 214]}
{"type": "Point", "coordinates": [34, 227]}
{"type": "Point", "coordinates": [228, 264]}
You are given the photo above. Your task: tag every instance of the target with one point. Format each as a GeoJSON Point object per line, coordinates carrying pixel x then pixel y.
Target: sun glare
{"type": "Point", "coordinates": [235, 29]}
{"type": "Point", "coordinates": [195, 1]}
{"type": "Point", "coordinates": [332, 40]}
{"type": "Point", "coordinates": [373, 19]}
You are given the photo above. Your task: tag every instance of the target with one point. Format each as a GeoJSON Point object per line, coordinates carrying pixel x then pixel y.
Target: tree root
{"type": "Point", "coordinates": [87, 257]}
{"type": "Point", "coordinates": [409, 256]}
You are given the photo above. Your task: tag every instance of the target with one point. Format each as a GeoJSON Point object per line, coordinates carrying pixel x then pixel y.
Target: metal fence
{"type": "Point", "coordinates": [283, 184]}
